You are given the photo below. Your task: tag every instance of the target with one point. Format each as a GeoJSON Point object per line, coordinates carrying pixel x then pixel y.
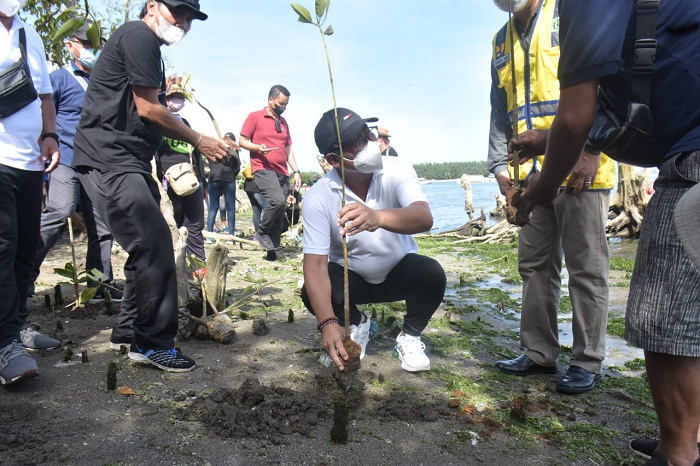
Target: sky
{"type": "Point", "coordinates": [421, 67]}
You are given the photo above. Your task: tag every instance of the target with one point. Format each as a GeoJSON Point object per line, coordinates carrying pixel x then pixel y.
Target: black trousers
{"type": "Point", "coordinates": [129, 205]}
{"type": "Point", "coordinates": [20, 218]}
{"type": "Point", "coordinates": [417, 279]}
{"type": "Point", "coordinates": [61, 201]}
{"type": "Point", "coordinates": [275, 188]}
{"type": "Point", "coordinates": [189, 212]}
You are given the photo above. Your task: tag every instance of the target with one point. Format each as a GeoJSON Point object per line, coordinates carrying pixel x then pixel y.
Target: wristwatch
{"type": "Point", "coordinates": [296, 171]}
{"type": "Point", "coordinates": [49, 135]}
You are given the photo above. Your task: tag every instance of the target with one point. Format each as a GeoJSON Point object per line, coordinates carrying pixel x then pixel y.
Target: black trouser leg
{"type": "Point", "coordinates": [189, 212]}
{"type": "Point", "coordinates": [20, 219]}
{"type": "Point", "coordinates": [417, 279]}
{"type": "Point", "coordinates": [272, 186]}
{"type": "Point", "coordinates": [129, 205]}
{"type": "Point", "coordinates": [99, 250]}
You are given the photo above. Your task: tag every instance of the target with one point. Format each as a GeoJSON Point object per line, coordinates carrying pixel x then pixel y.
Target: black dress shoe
{"type": "Point", "coordinates": [578, 380]}
{"type": "Point", "coordinates": [523, 365]}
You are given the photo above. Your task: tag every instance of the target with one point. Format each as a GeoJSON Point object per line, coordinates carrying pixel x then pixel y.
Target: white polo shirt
{"type": "Point", "coordinates": [372, 255]}
{"type": "Point", "coordinates": [20, 132]}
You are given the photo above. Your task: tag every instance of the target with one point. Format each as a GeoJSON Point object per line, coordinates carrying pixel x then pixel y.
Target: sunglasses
{"type": "Point", "coordinates": [278, 126]}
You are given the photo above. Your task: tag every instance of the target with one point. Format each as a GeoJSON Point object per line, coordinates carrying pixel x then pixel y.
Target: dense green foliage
{"type": "Point", "coordinates": [429, 171]}
{"type": "Point", "coordinates": [45, 17]}
{"type": "Point", "coordinates": [450, 170]}
{"type": "Point", "coordinates": [45, 24]}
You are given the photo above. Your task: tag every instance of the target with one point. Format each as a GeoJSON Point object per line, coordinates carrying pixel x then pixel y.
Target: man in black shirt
{"type": "Point", "coordinates": [122, 125]}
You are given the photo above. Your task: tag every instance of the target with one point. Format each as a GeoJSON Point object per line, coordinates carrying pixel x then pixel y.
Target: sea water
{"type": "Point", "coordinates": [446, 199]}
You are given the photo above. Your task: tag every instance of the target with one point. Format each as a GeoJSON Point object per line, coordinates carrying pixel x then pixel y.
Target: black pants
{"type": "Point", "coordinates": [275, 188]}
{"type": "Point", "coordinates": [417, 279]}
{"type": "Point", "coordinates": [129, 205]}
{"type": "Point", "coordinates": [64, 190]}
{"type": "Point", "coordinates": [20, 217]}
{"type": "Point", "coordinates": [189, 212]}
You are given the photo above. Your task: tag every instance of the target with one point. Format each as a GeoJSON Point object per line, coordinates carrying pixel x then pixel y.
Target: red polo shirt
{"type": "Point", "coordinates": [259, 127]}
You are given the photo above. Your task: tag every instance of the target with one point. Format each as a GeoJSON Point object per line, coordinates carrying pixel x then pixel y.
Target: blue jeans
{"type": "Point", "coordinates": [215, 190]}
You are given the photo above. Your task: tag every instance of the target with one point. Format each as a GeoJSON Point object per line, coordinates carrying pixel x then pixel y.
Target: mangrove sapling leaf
{"type": "Point", "coordinates": [304, 15]}
{"type": "Point", "coordinates": [95, 275]}
{"type": "Point", "coordinates": [88, 294]}
{"type": "Point", "coordinates": [321, 7]}
{"type": "Point", "coordinates": [329, 31]}
{"type": "Point", "coordinates": [65, 272]}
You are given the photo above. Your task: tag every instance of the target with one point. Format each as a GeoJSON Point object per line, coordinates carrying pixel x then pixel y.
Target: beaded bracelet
{"type": "Point", "coordinates": [326, 322]}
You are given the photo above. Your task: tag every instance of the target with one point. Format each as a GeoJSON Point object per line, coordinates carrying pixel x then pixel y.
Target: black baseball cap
{"type": "Point", "coordinates": [191, 4]}
{"type": "Point", "coordinates": [350, 124]}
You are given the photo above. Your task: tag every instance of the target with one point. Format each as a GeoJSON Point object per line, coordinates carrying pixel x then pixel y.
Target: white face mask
{"type": "Point", "coordinates": [369, 160]}
{"type": "Point", "coordinates": [88, 57]}
{"type": "Point", "coordinates": [10, 8]}
{"type": "Point", "coordinates": [175, 104]}
{"type": "Point", "coordinates": [516, 5]}
{"type": "Point", "coordinates": [168, 33]}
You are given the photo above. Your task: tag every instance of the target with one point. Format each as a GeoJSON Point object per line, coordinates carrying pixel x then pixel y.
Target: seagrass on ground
{"type": "Point", "coordinates": [267, 399]}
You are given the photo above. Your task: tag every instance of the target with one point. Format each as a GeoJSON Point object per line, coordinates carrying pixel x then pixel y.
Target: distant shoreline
{"type": "Point", "coordinates": [471, 179]}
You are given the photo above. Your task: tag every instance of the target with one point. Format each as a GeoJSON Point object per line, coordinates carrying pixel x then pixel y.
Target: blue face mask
{"type": "Point", "coordinates": [88, 57]}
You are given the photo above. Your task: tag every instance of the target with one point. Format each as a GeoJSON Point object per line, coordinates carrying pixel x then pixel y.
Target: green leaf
{"type": "Point", "coordinates": [64, 273]}
{"type": "Point", "coordinates": [95, 274]}
{"type": "Point", "coordinates": [93, 35]}
{"type": "Point", "coordinates": [65, 14]}
{"type": "Point", "coordinates": [329, 31]}
{"type": "Point", "coordinates": [88, 294]}
{"type": "Point", "coordinates": [67, 28]}
{"type": "Point", "coordinates": [198, 262]}
{"type": "Point", "coordinates": [321, 7]}
{"type": "Point", "coordinates": [304, 15]}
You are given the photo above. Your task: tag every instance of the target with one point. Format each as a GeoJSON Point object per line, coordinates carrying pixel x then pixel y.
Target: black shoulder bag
{"type": "Point", "coordinates": [631, 139]}
{"type": "Point", "coordinates": [16, 86]}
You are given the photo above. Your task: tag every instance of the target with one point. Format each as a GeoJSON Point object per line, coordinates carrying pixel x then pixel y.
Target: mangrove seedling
{"type": "Point", "coordinates": [304, 16]}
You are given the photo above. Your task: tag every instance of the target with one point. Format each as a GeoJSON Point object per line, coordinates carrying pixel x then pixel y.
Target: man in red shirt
{"type": "Point", "coordinates": [266, 135]}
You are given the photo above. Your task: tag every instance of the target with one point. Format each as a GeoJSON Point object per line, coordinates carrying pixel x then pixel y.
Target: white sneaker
{"type": "Point", "coordinates": [411, 351]}
{"type": "Point", "coordinates": [361, 334]}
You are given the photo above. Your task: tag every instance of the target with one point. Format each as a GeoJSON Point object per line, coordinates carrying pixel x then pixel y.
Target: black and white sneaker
{"type": "Point", "coordinates": [171, 360]}
{"type": "Point", "coordinates": [100, 297]}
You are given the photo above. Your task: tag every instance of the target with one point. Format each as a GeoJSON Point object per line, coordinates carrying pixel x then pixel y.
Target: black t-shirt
{"type": "Point", "coordinates": [600, 46]}
{"type": "Point", "coordinates": [111, 135]}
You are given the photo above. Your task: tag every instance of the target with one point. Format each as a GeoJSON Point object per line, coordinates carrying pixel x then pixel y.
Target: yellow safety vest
{"type": "Point", "coordinates": [178, 146]}
{"type": "Point", "coordinates": [537, 86]}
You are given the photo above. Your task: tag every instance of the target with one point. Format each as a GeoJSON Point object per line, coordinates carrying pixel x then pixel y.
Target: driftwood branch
{"type": "Point", "coordinates": [628, 204]}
